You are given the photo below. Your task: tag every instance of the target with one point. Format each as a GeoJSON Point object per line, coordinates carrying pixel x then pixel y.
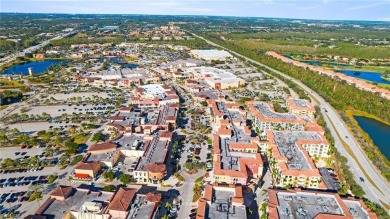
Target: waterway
{"type": "Point", "coordinates": [38, 67]}
{"type": "Point", "coordinates": [379, 133]}
{"type": "Point", "coordinates": [368, 76]}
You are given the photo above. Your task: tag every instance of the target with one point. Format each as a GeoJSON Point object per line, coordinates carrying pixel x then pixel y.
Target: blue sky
{"type": "Point", "coordinates": [310, 9]}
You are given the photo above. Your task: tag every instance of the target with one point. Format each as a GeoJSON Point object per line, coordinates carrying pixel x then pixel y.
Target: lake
{"type": "Point", "coordinates": [38, 66]}
{"type": "Point", "coordinates": [378, 132]}
{"type": "Point", "coordinates": [369, 76]}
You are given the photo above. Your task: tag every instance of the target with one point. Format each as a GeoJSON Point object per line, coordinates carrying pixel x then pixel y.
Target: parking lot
{"type": "Point", "coordinates": [9, 152]}
{"type": "Point", "coordinates": [330, 179]}
{"type": "Point", "coordinates": [83, 95]}
{"type": "Point", "coordinates": [58, 110]}
{"type": "Point", "coordinates": [38, 126]}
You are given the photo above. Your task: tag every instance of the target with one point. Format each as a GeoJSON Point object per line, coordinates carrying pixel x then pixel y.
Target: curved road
{"type": "Point", "coordinates": [380, 192]}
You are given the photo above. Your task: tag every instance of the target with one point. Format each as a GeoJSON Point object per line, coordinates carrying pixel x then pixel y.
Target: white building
{"type": "Point", "coordinates": [216, 78]}
{"type": "Point", "coordinates": [209, 55]}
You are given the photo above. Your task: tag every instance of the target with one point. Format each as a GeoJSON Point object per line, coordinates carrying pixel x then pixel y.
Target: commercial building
{"type": "Point", "coordinates": [153, 95]}
{"type": "Point", "coordinates": [85, 170]}
{"type": "Point", "coordinates": [285, 204]}
{"type": "Point", "coordinates": [151, 167]}
{"type": "Point", "coordinates": [216, 78]}
{"type": "Point", "coordinates": [69, 202]}
{"type": "Point", "coordinates": [222, 202]}
{"type": "Point", "coordinates": [212, 54]}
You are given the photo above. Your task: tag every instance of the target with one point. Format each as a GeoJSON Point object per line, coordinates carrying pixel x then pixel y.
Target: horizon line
{"type": "Point", "coordinates": [232, 16]}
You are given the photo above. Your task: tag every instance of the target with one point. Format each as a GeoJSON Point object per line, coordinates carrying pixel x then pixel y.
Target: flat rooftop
{"type": "Point", "coordinates": [223, 208]}
{"type": "Point", "coordinates": [155, 153]}
{"type": "Point", "coordinates": [75, 201]}
{"type": "Point", "coordinates": [211, 94]}
{"type": "Point", "coordinates": [285, 141]}
{"type": "Point", "coordinates": [154, 89]}
{"type": "Point", "coordinates": [230, 159]}
{"type": "Point", "coordinates": [231, 115]}
{"type": "Point", "coordinates": [306, 205]}
{"type": "Point", "coordinates": [129, 139]}
{"type": "Point", "coordinates": [101, 157]}
{"type": "Point", "coordinates": [212, 53]}
{"type": "Point", "coordinates": [141, 208]}
{"type": "Point", "coordinates": [301, 103]}
{"type": "Point", "coordinates": [265, 110]}
{"type": "Point", "coordinates": [355, 209]}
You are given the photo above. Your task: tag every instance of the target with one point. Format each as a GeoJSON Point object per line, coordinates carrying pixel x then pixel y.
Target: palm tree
{"type": "Point", "coordinates": [168, 205]}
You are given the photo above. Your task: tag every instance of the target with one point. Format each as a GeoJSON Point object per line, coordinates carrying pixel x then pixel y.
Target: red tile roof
{"type": "Point", "coordinates": [103, 146]}
{"type": "Point", "coordinates": [62, 191]}
{"type": "Point", "coordinates": [153, 197]}
{"type": "Point", "coordinates": [122, 199]}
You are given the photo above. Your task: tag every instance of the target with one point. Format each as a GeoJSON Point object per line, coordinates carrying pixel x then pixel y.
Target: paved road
{"type": "Point", "coordinates": [372, 193]}
{"type": "Point", "coordinates": [31, 49]}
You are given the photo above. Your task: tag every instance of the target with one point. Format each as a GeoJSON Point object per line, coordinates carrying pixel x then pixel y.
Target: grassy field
{"type": "Point", "coordinates": [367, 68]}
{"type": "Point", "coordinates": [344, 49]}
{"type": "Point", "coordinates": [80, 35]}
{"type": "Point", "coordinates": [7, 84]}
{"type": "Point", "coordinates": [81, 139]}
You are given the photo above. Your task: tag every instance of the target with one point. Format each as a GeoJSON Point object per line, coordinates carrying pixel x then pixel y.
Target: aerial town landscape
{"type": "Point", "coordinates": [107, 116]}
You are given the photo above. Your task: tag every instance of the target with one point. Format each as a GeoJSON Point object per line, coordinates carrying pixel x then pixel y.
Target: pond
{"type": "Point", "coordinates": [318, 63]}
{"type": "Point", "coordinates": [379, 133]}
{"type": "Point", "coordinates": [38, 67]}
{"type": "Point", "coordinates": [368, 76]}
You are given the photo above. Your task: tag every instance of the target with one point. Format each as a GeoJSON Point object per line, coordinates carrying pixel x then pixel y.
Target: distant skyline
{"type": "Point", "coordinates": [377, 10]}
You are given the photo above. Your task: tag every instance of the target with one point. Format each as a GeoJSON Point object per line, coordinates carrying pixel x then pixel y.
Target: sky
{"type": "Point", "coordinates": [378, 10]}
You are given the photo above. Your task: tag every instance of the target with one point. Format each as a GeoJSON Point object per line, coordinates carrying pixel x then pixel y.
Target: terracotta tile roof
{"type": "Point", "coordinates": [243, 146]}
{"type": "Point", "coordinates": [94, 166]}
{"type": "Point", "coordinates": [157, 168]}
{"type": "Point", "coordinates": [153, 197]}
{"type": "Point", "coordinates": [103, 146]}
{"type": "Point", "coordinates": [166, 135]}
{"type": "Point", "coordinates": [62, 191]}
{"type": "Point", "coordinates": [122, 199]}
{"type": "Point", "coordinates": [208, 192]}
{"type": "Point", "coordinates": [201, 212]}
{"type": "Point", "coordinates": [117, 126]}
{"type": "Point", "coordinates": [117, 118]}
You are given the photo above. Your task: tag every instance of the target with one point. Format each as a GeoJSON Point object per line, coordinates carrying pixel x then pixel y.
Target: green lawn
{"type": "Point", "coordinates": [378, 69]}
{"type": "Point", "coordinates": [81, 139]}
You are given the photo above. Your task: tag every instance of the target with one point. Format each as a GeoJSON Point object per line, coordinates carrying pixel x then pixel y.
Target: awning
{"type": "Point", "coordinates": [81, 175]}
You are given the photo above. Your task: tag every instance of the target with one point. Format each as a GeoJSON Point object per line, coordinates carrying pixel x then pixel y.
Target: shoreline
{"type": "Point", "coordinates": [22, 62]}
{"type": "Point", "coordinates": [365, 114]}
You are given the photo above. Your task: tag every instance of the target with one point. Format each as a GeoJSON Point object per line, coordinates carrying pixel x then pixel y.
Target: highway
{"type": "Point", "coordinates": [31, 49]}
{"type": "Point", "coordinates": [380, 192]}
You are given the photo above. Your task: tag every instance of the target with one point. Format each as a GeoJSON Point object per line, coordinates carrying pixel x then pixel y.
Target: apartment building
{"type": "Point", "coordinates": [265, 118]}
{"type": "Point", "coordinates": [298, 203]}
{"type": "Point", "coordinates": [300, 107]}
